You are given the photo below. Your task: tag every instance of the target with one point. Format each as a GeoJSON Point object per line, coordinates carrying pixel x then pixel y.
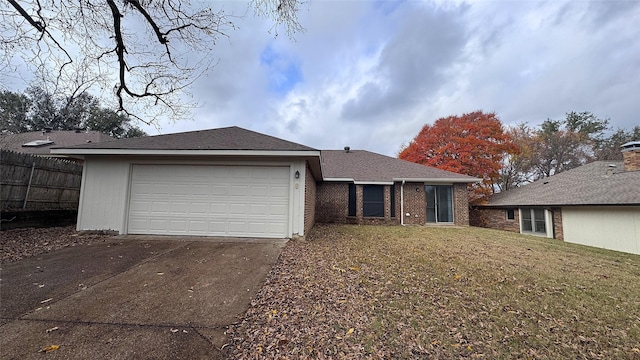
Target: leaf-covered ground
{"type": "Point", "coordinates": [16, 244]}
{"type": "Point", "coordinates": [352, 292]}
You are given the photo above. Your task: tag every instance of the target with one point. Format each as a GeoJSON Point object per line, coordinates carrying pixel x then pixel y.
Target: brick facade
{"type": "Point", "coordinates": [387, 219]}
{"type": "Point", "coordinates": [333, 201]}
{"type": "Point", "coordinates": [496, 218]}
{"type": "Point", "coordinates": [415, 203]}
{"type": "Point", "coordinates": [309, 201]}
{"type": "Point", "coordinates": [461, 204]}
{"type": "Point", "coordinates": [557, 223]}
{"type": "Point", "coordinates": [631, 159]}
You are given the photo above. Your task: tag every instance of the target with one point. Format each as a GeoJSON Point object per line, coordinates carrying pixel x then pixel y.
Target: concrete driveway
{"type": "Point", "coordinates": [131, 297]}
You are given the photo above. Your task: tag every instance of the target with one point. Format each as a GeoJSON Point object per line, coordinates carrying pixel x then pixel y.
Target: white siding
{"type": "Point", "coordinates": [613, 228]}
{"type": "Point", "coordinates": [103, 196]}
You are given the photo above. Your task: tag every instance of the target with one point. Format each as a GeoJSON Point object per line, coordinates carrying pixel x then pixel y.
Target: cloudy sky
{"type": "Point", "coordinates": [370, 74]}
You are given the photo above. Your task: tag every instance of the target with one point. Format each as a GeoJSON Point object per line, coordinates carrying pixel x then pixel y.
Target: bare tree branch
{"type": "Point", "coordinates": [143, 54]}
{"type": "Point", "coordinates": [26, 16]}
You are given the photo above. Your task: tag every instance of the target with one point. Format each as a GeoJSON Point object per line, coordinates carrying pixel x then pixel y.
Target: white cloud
{"type": "Point", "coordinates": [371, 74]}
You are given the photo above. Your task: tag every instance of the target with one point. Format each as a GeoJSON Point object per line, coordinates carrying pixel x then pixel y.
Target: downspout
{"type": "Point", "coordinates": [402, 203]}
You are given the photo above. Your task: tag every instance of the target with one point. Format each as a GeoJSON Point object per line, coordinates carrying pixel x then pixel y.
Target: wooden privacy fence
{"type": "Point", "coordinates": [38, 183]}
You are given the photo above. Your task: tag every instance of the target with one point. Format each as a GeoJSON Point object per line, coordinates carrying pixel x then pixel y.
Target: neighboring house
{"type": "Point", "coordinates": [40, 142]}
{"type": "Point", "coordinates": [597, 204]}
{"type": "Point", "coordinates": [236, 182]}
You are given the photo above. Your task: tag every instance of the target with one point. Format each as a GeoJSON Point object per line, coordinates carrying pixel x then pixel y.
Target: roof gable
{"type": "Point", "coordinates": [596, 183]}
{"type": "Point", "coordinates": [366, 166]}
{"type": "Point", "coordinates": [229, 138]}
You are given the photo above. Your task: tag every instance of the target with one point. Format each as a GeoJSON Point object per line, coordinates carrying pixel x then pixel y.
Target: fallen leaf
{"type": "Point", "coordinates": [350, 331]}
{"type": "Point", "coordinates": [50, 348]}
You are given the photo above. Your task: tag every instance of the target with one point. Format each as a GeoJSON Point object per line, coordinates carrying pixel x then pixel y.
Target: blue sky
{"type": "Point", "coordinates": [370, 74]}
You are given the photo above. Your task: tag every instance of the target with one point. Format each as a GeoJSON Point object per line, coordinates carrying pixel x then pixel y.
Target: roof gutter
{"type": "Point", "coordinates": [440, 180]}
{"type": "Point", "coordinates": [191, 152]}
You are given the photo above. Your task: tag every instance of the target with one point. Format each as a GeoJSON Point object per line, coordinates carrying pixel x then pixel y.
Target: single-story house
{"type": "Point", "coordinates": [40, 142]}
{"type": "Point", "coordinates": [236, 182]}
{"type": "Point", "coordinates": [597, 204]}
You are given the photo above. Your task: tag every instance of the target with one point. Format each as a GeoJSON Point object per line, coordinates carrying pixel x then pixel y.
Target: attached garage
{"type": "Point", "coordinates": [241, 201]}
{"type": "Point", "coordinates": [613, 228]}
{"type": "Point", "coordinates": [228, 182]}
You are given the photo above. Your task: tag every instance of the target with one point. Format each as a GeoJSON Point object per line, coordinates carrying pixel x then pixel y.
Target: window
{"type": "Point", "coordinates": [534, 221]}
{"type": "Point", "coordinates": [511, 214]}
{"type": "Point", "coordinates": [352, 200]}
{"type": "Point", "coordinates": [527, 226]}
{"type": "Point", "coordinates": [373, 200]}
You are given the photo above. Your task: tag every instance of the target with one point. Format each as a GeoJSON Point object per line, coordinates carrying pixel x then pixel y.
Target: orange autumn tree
{"type": "Point", "coordinates": [473, 144]}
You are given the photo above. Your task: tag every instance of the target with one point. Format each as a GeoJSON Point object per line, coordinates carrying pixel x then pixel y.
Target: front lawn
{"type": "Point", "coordinates": [435, 292]}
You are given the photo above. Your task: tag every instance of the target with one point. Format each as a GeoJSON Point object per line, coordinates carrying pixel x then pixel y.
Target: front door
{"type": "Point", "coordinates": [439, 203]}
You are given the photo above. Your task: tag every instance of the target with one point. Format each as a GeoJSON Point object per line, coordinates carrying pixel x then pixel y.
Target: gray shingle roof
{"type": "Point", "coordinates": [14, 142]}
{"type": "Point", "coordinates": [229, 138]}
{"type": "Point", "coordinates": [586, 185]}
{"type": "Point", "coordinates": [361, 165]}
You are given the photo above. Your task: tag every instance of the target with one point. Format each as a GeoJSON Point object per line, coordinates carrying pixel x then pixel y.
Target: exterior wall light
{"type": "Point", "coordinates": [297, 175]}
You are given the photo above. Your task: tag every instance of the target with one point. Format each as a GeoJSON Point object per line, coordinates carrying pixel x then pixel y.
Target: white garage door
{"type": "Point", "coordinates": [243, 201]}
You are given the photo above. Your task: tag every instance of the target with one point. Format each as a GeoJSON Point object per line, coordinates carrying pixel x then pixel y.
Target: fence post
{"type": "Point", "coordinates": [26, 196]}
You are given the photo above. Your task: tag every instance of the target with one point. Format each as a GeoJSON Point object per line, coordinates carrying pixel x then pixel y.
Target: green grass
{"type": "Point", "coordinates": [436, 292]}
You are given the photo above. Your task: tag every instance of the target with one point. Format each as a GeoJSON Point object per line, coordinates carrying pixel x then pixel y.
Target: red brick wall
{"type": "Point", "coordinates": [414, 204]}
{"type": "Point", "coordinates": [631, 160]}
{"type": "Point", "coordinates": [557, 223]}
{"type": "Point", "coordinates": [309, 201]}
{"type": "Point", "coordinates": [387, 219]}
{"type": "Point", "coordinates": [495, 219]}
{"type": "Point", "coordinates": [332, 205]}
{"type": "Point", "coordinates": [461, 204]}
{"type": "Point", "coordinates": [332, 202]}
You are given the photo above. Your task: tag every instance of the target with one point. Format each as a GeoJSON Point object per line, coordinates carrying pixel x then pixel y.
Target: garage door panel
{"type": "Point", "coordinates": [159, 207]}
{"type": "Point", "coordinates": [238, 209]}
{"type": "Point", "coordinates": [279, 191]}
{"type": "Point", "coordinates": [198, 226]}
{"type": "Point", "coordinates": [179, 208]}
{"type": "Point", "coordinates": [179, 226]}
{"type": "Point", "coordinates": [209, 200]}
{"type": "Point", "coordinates": [278, 210]}
{"type": "Point", "coordinates": [199, 208]}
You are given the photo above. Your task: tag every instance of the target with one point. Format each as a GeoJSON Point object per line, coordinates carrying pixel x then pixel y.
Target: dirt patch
{"type": "Point", "coordinates": [18, 244]}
